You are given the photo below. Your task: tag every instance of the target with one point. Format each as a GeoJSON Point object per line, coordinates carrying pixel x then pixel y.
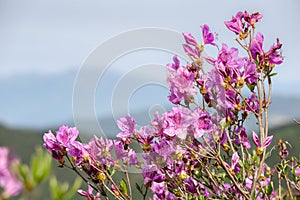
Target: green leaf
{"type": "Point", "coordinates": [58, 190]}
{"type": "Point", "coordinates": [222, 176]}
{"type": "Point", "coordinates": [26, 176]}
{"type": "Point", "coordinates": [293, 175]}
{"type": "Point", "coordinates": [111, 171]}
{"type": "Point", "coordinates": [138, 187]}
{"type": "Point", "coordinates": [123, 186]}
{"type": "Point", "coordinates": [251, 87]}
{"type": "Point", "coordinates": [269, 188]}
{"type": "Point", "coordinates": [76, 185]}
{"type": "Point", "coordinates": [225, 125]}
{"type": "Point", "coordinates": [201, 197]}
{"type": "Point", "coordinates": [40, 165]}
{"type": "Point", "coordinates": [23, 172]}
{"type": "Point", "coordinates": [273, 74]}
{"type": "Point", "coordinates": [54, 189]}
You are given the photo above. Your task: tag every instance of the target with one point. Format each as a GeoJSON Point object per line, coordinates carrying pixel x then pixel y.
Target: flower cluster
{"type": "Point", "coordinates": [8, 180]}
{"type": "Point", "coordinates": [95, 158]}
{"type": "Point", "coordinates": [195, 150]}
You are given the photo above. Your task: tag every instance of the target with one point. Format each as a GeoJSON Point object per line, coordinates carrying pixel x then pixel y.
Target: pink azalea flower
{"type": "Point", "coordinates": [253, 102]}
{"type": "Point", "coordinates": [190, 51]}
{"type": "Point", "coordinates": [253, 18]}
{"type": "Point", "coordinates": [89, 194]}
{"type": "Point", "coordinates": [235, 167]}
{"type": "Point", "coordinates": [66, 135]}
{"type": "Point", "coordinates": [181, 82]}
{"type": "Point", "coordinates": [78, 151]}
{"type": "Point", "coordinates": [257, 46]}
{"type": "Point", "coordinates": [236, 24]}
{"type": "Point", "coordinates": [127, 126]}
{"type": "Point", "coordinates": [50, 142]}
{"type": "Point", "coordinates": [265, 143]}
{"type": "Point", "coordinates": [8, 181]}
{"type": "Point", "coordinates": [274, 53]}
{"type": "Point", "coordinates": [208, 37]}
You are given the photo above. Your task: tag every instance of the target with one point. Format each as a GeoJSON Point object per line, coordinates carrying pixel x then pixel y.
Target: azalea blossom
{"type": "Point", "coordinates": [265, 143]}
{"type": "Point", "coordinates": [89, 194]}
{"type": "Point", "coordinates": [208, 37]}
{"type": "Point", "coordinates": [236, 24]}
{"type": "Point", "coordinates": [235, 167]}
{"type": "Point", "coordinates": [127, 126]}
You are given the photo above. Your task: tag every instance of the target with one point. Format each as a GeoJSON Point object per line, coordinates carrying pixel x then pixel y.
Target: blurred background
{"type": "Point", "coordinates": [45, 43]}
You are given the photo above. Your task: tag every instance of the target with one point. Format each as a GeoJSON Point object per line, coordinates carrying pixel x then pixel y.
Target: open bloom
{"type": "Point", "coordinates": [181, 82]}
{"type": "Point", "coordinates": [253, 18]}
{"type": "Point", "coordinates": [273, 55]}
{"type": "Point", "coordinates": [256, 49]}
{"type": "Point", "coordinates": [127, 126]}
{"type": "Point", "coordinates": [66, 135]}
{"type": "Point", "coordinates": [235, 24]}
{"type": "Point", "coordinates": [265, 144]}
{"type": "Point", "coordinates": [50, 141]}
{"type": "Point", "coordinates": [89, 194]}
{"type": "Point", "coordinates": [208, 37]}
{"type": "Point", "coordinates": [235, 166]}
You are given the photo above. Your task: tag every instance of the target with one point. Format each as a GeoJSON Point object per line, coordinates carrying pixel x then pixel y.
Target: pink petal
{"type": "Point", "coordinates": [190, 39]}
{"type": "Point", "coordinates": [235, 159]}
{"type": "Point", "coordinates": [255, 139]}
{"type": "Point", "coordinates": [267, 142]}
{"type": "Point", "coordinates": [189, 50]}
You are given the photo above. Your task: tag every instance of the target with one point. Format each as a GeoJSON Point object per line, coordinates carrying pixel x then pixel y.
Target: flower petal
{"type": "Point", "coordinates": [255, 139]}
{"type": "Point", "coordinates": [267, 142]}
{"type": "Point", "coordinates": [235, 159]}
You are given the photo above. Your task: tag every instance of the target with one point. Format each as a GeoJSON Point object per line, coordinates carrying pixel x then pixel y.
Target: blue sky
{"type": "Point", "coordinates": [46, 41]}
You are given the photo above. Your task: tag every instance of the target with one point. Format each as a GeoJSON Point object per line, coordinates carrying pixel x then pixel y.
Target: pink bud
{"type": "Point", "coordinates": [189, 50]}
{"type": "Point", "coordinates": [190, 39]}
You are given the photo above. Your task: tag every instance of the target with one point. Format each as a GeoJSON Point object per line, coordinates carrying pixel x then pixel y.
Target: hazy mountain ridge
{"type": "Point", "coordinates": [42, 101]}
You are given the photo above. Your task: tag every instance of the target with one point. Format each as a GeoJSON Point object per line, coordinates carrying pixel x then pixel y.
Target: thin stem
{"type": "Point", "coordinates": [128, 181]}
{"type": "Point", "coordinates": [297, 121]}
{"type": "Point", "coordinates": [211, 176]}
{"type": "Point", "coordinates": [107, 188]}
{"type": "Point", "coordinates": [145, 194]}
{"type": "Point", "coordinates": [270, 91]}
{"type": "Point", "coordinates": [243, 192]}
{"type": "Point", "coordinates": [289, 187]}
{"type": "Point", "coordinates": [111, 180]}
{"type": "Point", "coordinates": [238, 41]}
{"type": "Point", "coordinates": [279, 185]}
{"type": "Point", "coordinates": [243, 158]}
{"type": "Point", "coordinates": [79, 174]}
{"type": "Point", "coordinates": [229, 140]}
